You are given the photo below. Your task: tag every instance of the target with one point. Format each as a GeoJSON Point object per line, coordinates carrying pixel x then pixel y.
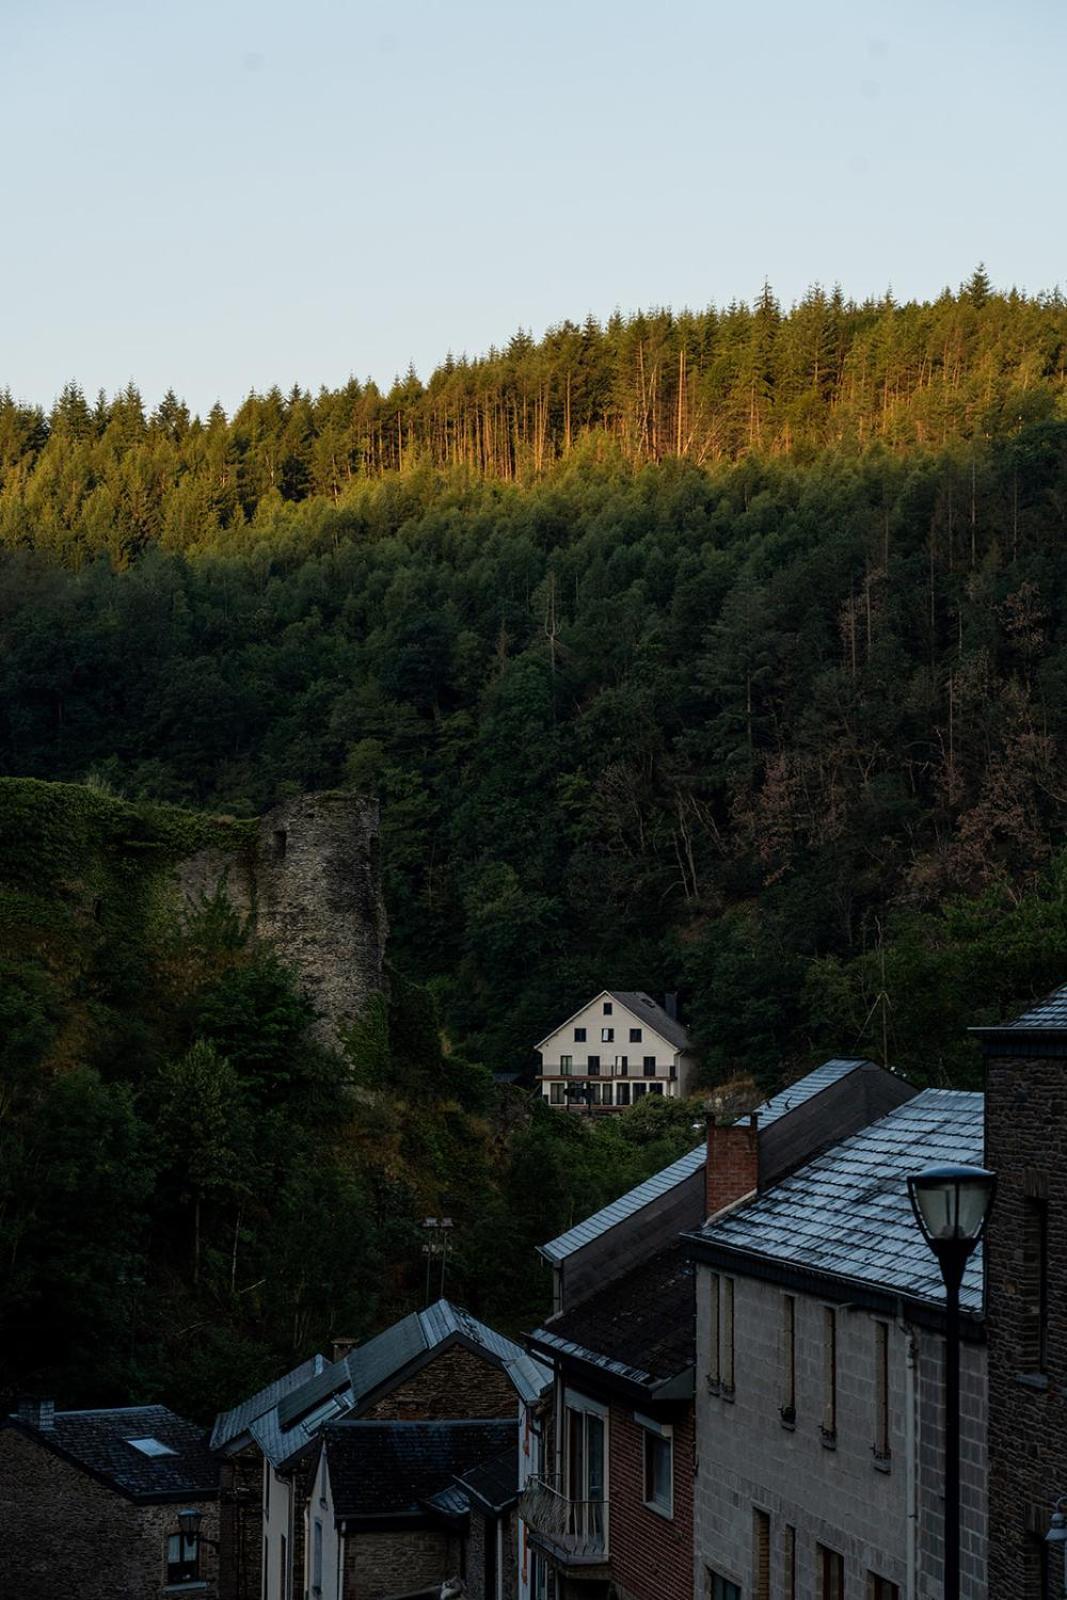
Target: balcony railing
{"type": "Point", "coordinates": [575, 1531]}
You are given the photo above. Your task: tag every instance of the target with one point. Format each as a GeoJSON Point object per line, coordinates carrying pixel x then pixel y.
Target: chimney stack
{"type": "Point", "coordinates": [670, 1006]}
{"type": "Point", "coordinates": [339, 1348]}
{"type": "Point", "coordinates": [732, 1169]}
{"type": "Point", "coordinates": [37, 1413]}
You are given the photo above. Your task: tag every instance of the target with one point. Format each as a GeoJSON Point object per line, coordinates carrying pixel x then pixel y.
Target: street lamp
{"type": "Point", "coordinates": [951, 1206]}
{"type": "Point", "coordinates": [1057, 1533]}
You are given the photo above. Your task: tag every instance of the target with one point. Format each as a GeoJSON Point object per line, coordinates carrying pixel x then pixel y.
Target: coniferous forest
{"type": "Point", "coordinates": [721, 653]}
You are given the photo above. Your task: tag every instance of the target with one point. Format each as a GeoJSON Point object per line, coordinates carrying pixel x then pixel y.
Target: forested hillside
{"type": "Point", "coordinates": [723, 654]}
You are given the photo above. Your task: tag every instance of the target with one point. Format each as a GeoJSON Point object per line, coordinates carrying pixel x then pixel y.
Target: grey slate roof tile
{"type": "Point", "coordinates": [98, 1441]}
{"type": "Point", "coordinates": [231, 1425]}
{"type": "Point", "coordinates": [393, 1468]}
{"type": "Point", "coordinates": [1051, 1012]}
{"type": "Point", "coordinates": [653, 1015]}
{"type": "Point", "coordinates": [848, 1212]}
{"type": "Point", "coordinates": [626, 1205]}
{"type": "Point", "coordinates": [639, 1326]}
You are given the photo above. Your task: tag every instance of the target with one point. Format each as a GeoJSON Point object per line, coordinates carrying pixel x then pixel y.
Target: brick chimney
{"type": "Point", "coordinates": [732, 1170]}
{"type": "Point", "coordinates": [37, 1413]}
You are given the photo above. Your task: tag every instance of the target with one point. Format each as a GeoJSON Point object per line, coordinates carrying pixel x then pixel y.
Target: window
{"type": "Point", "coordinates": [555, 1093]}
{"type": "Point", "coordinates": [1033, 1353]}
{"type": "Point", "coordinates": [881, 1392]}
{"type": "Point", "coordinates": [565, 1065]}
{"type": "Point", "coordinates": [183, 1557]}
{"type": "Point", "coordinates": [721, 1352]}
{"type": "Point", "coordinates": [607, 1035]}
{"type": "Point", "coordinates": [593, 1090]}
{"type": "Point", "coordinates": [829, 1367]}
{"type": "Point", "coordinates": [579, 1035]}
{"type": "Point", "coordinates": [151, 1447]}
{"type": "Point", "coordinates": [716, 1587]}
{"type": "Point", "coordinates": [316, 1557]}
{"type": "Point", "coordinates": [594, 1066]}
{"type": "Point", "coordinates": [586, 1455]}
{"type": "Point", "coordinates": [788, 1408]}
{"type": "Point", "coordinates": [542, 1578]}
{"type": "Point", "coordinates": [655, 1088]}
{"type": "Point", "coordinates": [608, 1008]}
{"type": "Point", "coordinates": [622, 1094]}
{"type": "Point", "coordinates": [789, 1561]}
{"type": "Point", "coordinates": [881, 1588]}
{"type": "Point", "coordinates": [622, 1065]}
{"type": "Point", "coordinates": [761, 1555]}
{"type": "Point", "coordinates": [831, 1569]}
{"type": "Point", "coordinates": [605, 1094]}
{"type": "Point", "coordinates": [658, 1465]}
{"type": "Point", "coordinates": [635, 1035]}
{"type": "Point", "coordinates": [650, 1066]}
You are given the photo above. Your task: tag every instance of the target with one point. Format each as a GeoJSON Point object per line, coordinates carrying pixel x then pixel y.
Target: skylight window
{"type": "Point", "coordinates": [152, 1447]}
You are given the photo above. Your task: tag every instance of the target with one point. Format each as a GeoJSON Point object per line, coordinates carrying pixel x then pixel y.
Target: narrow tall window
{"type": "Point", "coordinates": [714, 1343]}
{"type": "Point", "coordinates": [789, 1359]}
{"type": "Point", "coordinates": [829, 1348]}
{"type": "Point", "coordinates": [726, 1339]}
{"type": "Point", "coordinates": [607, 1035]}
{"type": "Point", "coordinates": [622, 1094]}
{"type": "Point", "coordinates": [881, 1588]}
{"type": "Point", "coordinates": [650, 1066]}
{"type": "Point", "coordinates": [1033, 1353]}
{"type": "Point", "coordinates": [881, 1392]}
{"type": "Point", "coordinates": [831, 1569]}
{"type": "Point", "coordinates": [622, 1065]}
{"type": "Point", "coordinates": [565, 1065]}
{"type": "Point", "coordinates": [183, 1558]}
{"type": "Point", "coordinates": [761, 1555]}
{"type": "Point", "coordinates": [593, 1065]}
{"type": "Point", "coordinates": [789, 1562]}
{"type": "Point", "coordinates": [316, 1558]}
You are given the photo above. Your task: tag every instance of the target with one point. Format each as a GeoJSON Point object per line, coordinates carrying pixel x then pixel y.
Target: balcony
{"type": "Point", "coordinates": [573, 1532]}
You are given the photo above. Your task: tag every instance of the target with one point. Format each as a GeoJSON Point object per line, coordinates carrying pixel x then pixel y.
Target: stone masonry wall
{"type": "Point", "coordinates": [651, 1554]}
{"type": "Point", "coordinates": [62, 1533]}
{"type": "Point", "coordinates": [840, 1497]}
{"type": "Point", "coordinates": [457, 1383]}
{"type": "Point", "coordinates": [312, 888]}
{"type": "Point", "coordinates": [380, 1564]}
{"type": "Point", "coordinates": [1026, 1124]}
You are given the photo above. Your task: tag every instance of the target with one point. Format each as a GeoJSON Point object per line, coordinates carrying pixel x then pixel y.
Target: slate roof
{"type": "Point", "coordinates": [634, 1200]}
{"type": "Point", "coordinates": [391, 1469]}
{"type": "Point", "coordinates": [494, 1484]}
{"type": "Point", "coordinates": [639, 1326]}
{"type": "Point", "coordinates": [1049, 1014]}
{"type": "Point", "coordinates": [642, 1005]}
{"type": "Point", "coordinates": [98, 1442]}
{"type": "Point", "coordinates": [847, 1213]}
{"type": "Point", "coordinates": [279, 1430]}
{"type": "Point", "coordinates": [232, 1425]}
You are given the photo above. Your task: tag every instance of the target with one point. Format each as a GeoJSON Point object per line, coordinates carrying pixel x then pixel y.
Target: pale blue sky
{"type": "Point", "coordinates": [222, 194]}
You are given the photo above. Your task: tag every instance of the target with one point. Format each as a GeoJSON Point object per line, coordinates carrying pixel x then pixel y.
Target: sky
{"type": "Point", "coordinates": [219, 196]}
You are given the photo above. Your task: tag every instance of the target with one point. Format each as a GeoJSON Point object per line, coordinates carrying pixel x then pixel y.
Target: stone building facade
{"type": "Point", "coordinates": [1026, 1274]}
{"type": "Point", "coordinates": [82, 1514]}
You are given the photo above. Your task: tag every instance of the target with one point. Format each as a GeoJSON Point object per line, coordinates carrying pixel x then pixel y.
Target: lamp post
{"type": "Point", "coordinates": [951, 1205]}
{"type": "Point", "coordinates": [1057, 1534]}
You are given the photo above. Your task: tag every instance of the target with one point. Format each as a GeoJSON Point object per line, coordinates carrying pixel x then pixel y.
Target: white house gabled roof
{"type": "Point", "coordinates": [626, 1205]}
{"type": "Point", "coordinates": [642, 1006]}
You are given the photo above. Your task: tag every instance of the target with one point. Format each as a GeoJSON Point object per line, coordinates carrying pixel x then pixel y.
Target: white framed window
{"type": "Point", "coordinates": [607, 1035]}
{"type": "Point", "coordinates": [721, 1335]}
{"type": "Point", "coordinates": [586, 1428]}
{"type": "Point", "coordinates": [622, 1094]}
{"type": "Point", "coordinates": [566, 1064]}
{"type": "Point", "coordinates": [622, 1065]}
{"type": "Point", "coordinates": [555, 1093]}
{"type": "Point", "coordinates": [183, 1557]}
{"type": "Point", "coordinates": [657, 1465]}
{"type": "Point", "coordinates": [606, 1094]}
{"type": "Point", "coordinates": [316, 1557]}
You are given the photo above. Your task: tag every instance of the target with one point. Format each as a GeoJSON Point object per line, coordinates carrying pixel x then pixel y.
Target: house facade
{"type": "Point", "coordinates": [89, 1504]}
{"type": "Point", "coordinates": [609, 1510]}
{"type": "Point", "coordinates": [616, 1049]}
{"type": "Point", "coordinates": [440, 1364]}
{"type": "Point", "coordinates": [1026, 1277]}
{"type": "Point", "coordinates": [819, 1418]}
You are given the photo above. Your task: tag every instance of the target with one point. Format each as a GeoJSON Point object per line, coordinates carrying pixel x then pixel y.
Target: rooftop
{"type": "Point", "coordinates": [232, 1425]}
{"type": "Point", "coordinates": [634, 1200]}
{"type": "Point", "coordinates": [391, 1469]}
{"type": "Point", "coordinates": [1045, 1016]}
{"type": "Point", "coordinates": [847, 1213]}
{"type": "Point", "coordinates": [146, 1453]}
{"type": "Point", "coordinates": [493, 1484]}
{"type": "Point", "coordinates": [638, 1327]}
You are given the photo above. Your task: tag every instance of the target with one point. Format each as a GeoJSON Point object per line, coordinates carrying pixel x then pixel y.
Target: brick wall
{"type": "Point", "coordinates": [651, 1554]}
{"type": "Point", "coordinates": [457, 1383]}
{"type": "Point", "coordinates": [62, 1533]}
{"type": "Point", "coordinates": [380, 1564]}
{"type": "Point", "coordinates": [732, 1168]}
{"type": "Point", "coordinates": [1026, 1121]}
{"type": "Point", "coordinates": [241, 1521]}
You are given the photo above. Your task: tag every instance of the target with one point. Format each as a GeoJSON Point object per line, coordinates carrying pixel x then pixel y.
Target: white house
{"type": "Point", "coordinates": [617, 1048]}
